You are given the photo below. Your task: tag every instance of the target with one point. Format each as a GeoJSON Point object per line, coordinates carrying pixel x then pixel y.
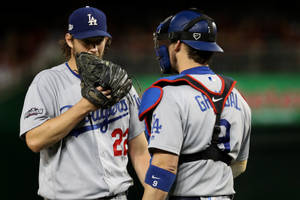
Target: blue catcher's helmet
{"type": "Point", "coordinates": [195, 29]}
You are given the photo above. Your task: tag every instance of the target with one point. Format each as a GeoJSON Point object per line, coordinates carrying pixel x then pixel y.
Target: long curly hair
{"type": "Point", "coordinates": [66, 50]}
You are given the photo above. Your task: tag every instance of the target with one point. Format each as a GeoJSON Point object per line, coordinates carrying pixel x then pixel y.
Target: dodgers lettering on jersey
{"type": "Point", "coordinates": [91, 162]}
{"type": "Point", "coordinates": [105, 116]}
{"type": "Point", "coordinates": [182, 123]}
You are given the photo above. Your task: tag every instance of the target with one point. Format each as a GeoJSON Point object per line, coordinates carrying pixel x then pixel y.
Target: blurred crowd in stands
{"type": "Point", "coordinates": [252, 43]}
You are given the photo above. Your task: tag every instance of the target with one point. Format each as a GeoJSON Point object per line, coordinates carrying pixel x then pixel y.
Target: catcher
{"type": "Point", "coordinates": [198, 123]}
{"type": "Point", "coordinates": [82, 116]}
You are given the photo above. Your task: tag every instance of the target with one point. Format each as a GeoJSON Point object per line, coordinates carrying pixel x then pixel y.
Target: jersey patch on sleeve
{"type": "Point", "coordinates": [33, 111]}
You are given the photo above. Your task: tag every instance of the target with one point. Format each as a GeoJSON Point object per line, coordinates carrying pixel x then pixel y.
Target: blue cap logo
{"type": "Point", "coordinates": [88, 22]}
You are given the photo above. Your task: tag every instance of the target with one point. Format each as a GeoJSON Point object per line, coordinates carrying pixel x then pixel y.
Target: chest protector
{"type": "Point", "coordinates": [153, 95]}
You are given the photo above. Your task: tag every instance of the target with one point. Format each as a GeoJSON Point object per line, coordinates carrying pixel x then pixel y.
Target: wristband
{"type": "Point", "coordinates": [159, 178]}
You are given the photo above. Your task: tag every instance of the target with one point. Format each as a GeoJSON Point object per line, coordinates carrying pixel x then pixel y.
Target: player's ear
{"type": "Point", "coordinates": [69, 40]}
{"type": "Point", "coordinates": [107, 42]}
{"type": "Point", "coordinates": [177, 46]}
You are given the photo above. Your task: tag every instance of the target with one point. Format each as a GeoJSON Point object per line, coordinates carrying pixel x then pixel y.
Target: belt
{"type": "Point", "coordinates": [108, 197]}
{"type": "Point", "coordinates": [113, 196]}
{"type": "Point", "coordinates": [196, 197]}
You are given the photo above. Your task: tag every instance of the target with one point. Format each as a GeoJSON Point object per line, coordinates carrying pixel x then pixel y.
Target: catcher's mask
{"type": "Point", "coordinates": [190, 27]}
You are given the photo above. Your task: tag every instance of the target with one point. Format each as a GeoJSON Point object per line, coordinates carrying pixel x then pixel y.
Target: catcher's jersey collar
{"type": "Point", "coordinates": [77, 75]}
{"type": "Point", "coordinates": [198, 70]}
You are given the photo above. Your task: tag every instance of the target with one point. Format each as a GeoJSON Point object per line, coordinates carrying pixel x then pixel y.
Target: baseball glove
{"type": "Point", "coordinates": [96, 72]}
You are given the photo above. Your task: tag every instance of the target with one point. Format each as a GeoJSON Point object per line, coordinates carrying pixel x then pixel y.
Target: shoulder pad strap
{"type": "Point", "coordinates": [217, 100]}
{"type": "Point", "coordinates": [153, 94]}
{"type": "Point", "coordinates": [229, 84]}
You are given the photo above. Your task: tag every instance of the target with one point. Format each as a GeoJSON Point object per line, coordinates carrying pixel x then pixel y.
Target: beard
{"type": "Point", "coordinates": [76, 51]}
{"type": "Point", "coordinates": [174, 65]}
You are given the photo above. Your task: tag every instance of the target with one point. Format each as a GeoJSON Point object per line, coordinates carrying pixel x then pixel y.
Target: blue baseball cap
{"type": "Point", "coordinates": [87, 22]}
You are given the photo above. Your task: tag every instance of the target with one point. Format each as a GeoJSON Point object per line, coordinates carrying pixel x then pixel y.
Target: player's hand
{"type": "Point", "coordinates": [107, 93]}
{"type": "Point", "coordinates": [90, 105]}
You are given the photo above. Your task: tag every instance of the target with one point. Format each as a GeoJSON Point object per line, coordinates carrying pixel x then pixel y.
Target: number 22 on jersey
{"type": "Point", "coordinates": [120, 145]}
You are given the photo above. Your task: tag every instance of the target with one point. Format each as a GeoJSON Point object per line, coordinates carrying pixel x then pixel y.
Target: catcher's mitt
{"type": "Point", "coordinates": [95, 72]}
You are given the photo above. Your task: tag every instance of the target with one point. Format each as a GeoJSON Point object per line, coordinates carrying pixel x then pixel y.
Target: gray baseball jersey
{"type": "Point", "coordinates": [182, 123]}
{"type": "Point", "coordinates": [91, 161]}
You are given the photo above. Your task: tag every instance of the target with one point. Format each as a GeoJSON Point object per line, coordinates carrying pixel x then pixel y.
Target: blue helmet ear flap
{"type": "Point", "coordinates": [164, 60]}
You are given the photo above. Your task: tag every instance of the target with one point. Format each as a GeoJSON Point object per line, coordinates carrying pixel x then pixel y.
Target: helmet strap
{"type": "Point", "coordinates": [203, 17]}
